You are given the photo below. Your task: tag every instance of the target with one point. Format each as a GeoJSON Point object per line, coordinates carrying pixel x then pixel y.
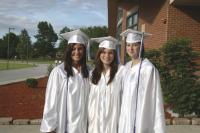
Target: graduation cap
{"type": "Point", "coordinates": [133, 36]}
{"type": "Point", "coordinates": [108, 42]}
{"type": "Point", "coordinates": [76, 36]}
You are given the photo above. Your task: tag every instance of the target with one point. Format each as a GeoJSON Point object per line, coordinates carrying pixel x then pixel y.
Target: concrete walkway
{"type": "Point", "coordinates": [183, 129]}
{"type": "Point", "coordinates": [19, 129]}
{"type": "Point", "coordinates": [35, 129]}
{"type": "Point", "coordinates": [16, 75]}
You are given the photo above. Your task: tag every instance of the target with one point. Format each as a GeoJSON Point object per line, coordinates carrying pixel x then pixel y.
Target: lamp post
{"type": "Point", "coordinates": [8, 46]}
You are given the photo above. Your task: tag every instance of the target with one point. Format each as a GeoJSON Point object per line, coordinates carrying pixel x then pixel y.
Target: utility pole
{"type": "Point", "coordinates": [8, 46]}
{"type": "Point", "coordinates": [27, 44]}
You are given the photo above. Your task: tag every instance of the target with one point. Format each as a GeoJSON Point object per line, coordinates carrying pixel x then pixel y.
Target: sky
{"type": "Point", "coordinates": [20, 14]}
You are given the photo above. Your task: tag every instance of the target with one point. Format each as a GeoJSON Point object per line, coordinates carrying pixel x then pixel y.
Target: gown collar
{"type": "Point", "coordinates": [107, 74]}
{"type": "Point", "coordinates": [75, 70]}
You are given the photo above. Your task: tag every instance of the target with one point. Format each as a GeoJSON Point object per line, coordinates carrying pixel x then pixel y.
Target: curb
{"type": "Point", "coordinates": [6, 120]}
{"type": "Point", "coordinates": [20, 80]}
{"type": "Point", "coordinates": [11, 121]}
{"type": "Point", "coordinates": [196, 121]}
{"type": "Point", "coordinates": [181, 121]}
{"type": "Point", "coordinates": [174, 121]}
{"type": "Point", "coordinates": [21, 122]}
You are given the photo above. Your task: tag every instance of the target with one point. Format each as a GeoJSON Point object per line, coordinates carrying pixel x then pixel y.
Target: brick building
{"type": "Point", "coordinates": [165, 19]}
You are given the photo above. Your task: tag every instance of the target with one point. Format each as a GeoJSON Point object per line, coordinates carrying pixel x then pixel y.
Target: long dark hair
{"type": "Point", "coordinates": [96, 73]}
{"type": "Point", "coordinates": [68, 61]}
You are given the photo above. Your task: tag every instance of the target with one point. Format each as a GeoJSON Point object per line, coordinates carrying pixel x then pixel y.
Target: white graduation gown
{"type": "Point", "coordinates": [65, 107]}
{"type": "Point", "coordinates": [150, 113]}
{"type": "Point", "coordinates": [104, 104]}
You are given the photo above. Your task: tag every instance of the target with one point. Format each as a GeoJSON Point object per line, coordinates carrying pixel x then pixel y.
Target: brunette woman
{"type": "Point", "coordinates": [105, 92]}
{"type": "Point", "coordinates": [65, 109]}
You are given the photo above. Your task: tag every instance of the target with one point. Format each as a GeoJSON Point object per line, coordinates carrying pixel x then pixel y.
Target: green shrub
{"type": "Point", "coordinates": [181, 87]}
{"type": "Point", "coordinates": [175, 63]}
{"type": "Point", "coordinates": [154, 55]}
{"type": "Point", "coordinates": [31, 82]}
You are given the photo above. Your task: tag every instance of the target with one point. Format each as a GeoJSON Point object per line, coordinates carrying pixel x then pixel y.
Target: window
{"type": "Point", "coordinates": [132, 21]}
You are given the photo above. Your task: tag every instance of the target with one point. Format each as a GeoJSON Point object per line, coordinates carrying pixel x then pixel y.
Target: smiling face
{"type": "Point", "coordinates": [107, 56]}
{"type": "Point", "coordinates": [77, 52]}
{"type": "Point", "coordinates": [133, 50]}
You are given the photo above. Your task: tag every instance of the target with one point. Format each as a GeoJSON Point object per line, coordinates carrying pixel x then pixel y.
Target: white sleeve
{"type": "Point", "coordinates": [159, 124]}
{"type": "Point", "coordinates": [49, 121]}
{"type": "Point", "coordinates": [123, 75]}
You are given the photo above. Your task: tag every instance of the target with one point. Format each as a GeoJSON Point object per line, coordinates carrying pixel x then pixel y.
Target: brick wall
{"type": "Point", "coordinates": [112, 15]}
{"type": "Point", "coordinates": [154, 15]}
{"type": "Point", "coordinates": [164, 21]}
{"type": "Point", "coordinates": [21, 102]}
{"type": "Point", "coordinates": [184, 21]}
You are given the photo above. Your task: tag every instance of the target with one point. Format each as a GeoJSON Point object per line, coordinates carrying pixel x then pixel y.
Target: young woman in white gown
{"type": "Point", "coordinates": [105, 90]}
{"type": "Point", "coordinates": [142, 103]}
{"type": "Point", "coordinates": [65, 109]}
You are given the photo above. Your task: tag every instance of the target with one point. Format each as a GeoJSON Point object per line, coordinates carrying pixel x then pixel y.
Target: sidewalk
{"type": "Point", "coordinates": [19, 129]}
{"type": "Point", "coordinates": [183, 129]}
{"type": "Point", "coordinates": [35, 129]}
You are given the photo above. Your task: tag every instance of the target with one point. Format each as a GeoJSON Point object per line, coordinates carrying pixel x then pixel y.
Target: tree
{"type": "Point", "coordinates": [3, 50]}
{"type": "Point", "coordinates": [13, 41]}
{"type": "Point", "coordinates": [181, 87]}
{"type": "Point", "coordinates": [63, 42]}
{"type": "Point", "coordinates": [92, 32]}
{"type": "Point", "coordinates": [46, 39]}
{"type": "Point", "coordinates": [96, 31]}
{"type": "Point", "coordinates": [65, 29]}
{"type": "Point", "coordinates": [23, 45]}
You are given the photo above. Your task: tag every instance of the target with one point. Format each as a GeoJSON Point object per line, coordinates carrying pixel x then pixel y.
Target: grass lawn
{"type": "Point", "coordinates": [30, 61]}
{"type": "Point", "coordinates": [3, 65]}
{"type": "Point", "coordinates": [41, 61]}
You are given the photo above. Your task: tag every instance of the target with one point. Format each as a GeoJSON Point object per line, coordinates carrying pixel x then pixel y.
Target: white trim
{"type": "Point", "coordinates": [119, 22]}
{"type": "Point", "coordinates": [171, 1]}
{"type": "Point", "coordinates": [185, 2]}
{"type": "Point", "coordinates": [132, 11]}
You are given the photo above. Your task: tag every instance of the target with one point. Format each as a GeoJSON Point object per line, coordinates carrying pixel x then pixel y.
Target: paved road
{"type": "Point", "coordinates": [35, 129]}
{"type": "Point", "coordinates": [7, 76]}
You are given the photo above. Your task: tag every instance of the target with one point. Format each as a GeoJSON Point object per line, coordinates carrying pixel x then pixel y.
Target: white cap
{"type": "Point", "coordinates": [133, 36]}
{"type": "Point", "coordinates": [76, 36]}
{"type": "Point", "coordinates": [108, 42]}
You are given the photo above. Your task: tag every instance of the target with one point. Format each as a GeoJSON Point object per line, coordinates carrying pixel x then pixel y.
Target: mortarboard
{"type": "Point", "coordinates": [108, 42]}
{"type": "Point", "coordinates": [133, 36]}
{"type": "Point", "coordinates": [76, 36]}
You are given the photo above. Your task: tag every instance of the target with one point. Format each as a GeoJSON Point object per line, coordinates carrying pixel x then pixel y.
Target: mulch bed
{"type": "Point", "coordinates": [19, 101]}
